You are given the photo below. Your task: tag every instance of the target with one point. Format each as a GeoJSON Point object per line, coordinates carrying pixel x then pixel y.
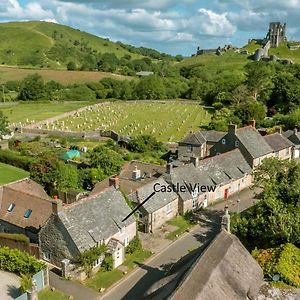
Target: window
{"type": "Point", "coordinates": [194, 193]}
{"type": "Point", "coordinates": [47, 256]}
{"type": "Point", "coordinates": [223, 141]}
{"type": "Point", "coordinates": [287, 151]}
{"type": "Point", "coordinates": [189, 148]}
{"type": "Point", "coordinates": [126, 241]}
{"type": "Point", "coordinates": [236, 143]}
{"type": "Point", "coordinates": [11, 207]}
{"type": "Point", "coordinates": [277, 154]}
{"type": "Point", "coordinates": [169, 208]}
{"type": "Point", "coordinates": [27, 213]}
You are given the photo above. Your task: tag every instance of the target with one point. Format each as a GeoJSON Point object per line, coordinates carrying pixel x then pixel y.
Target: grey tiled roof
{"type": "Point", "coordinates": [157, 201]}
{"type": "Point", "coordinates": [292, 136]}
{"type": "Point", "coordinates": [199, 138]}
{"type": "Point", "coordinates": [213, 171]}
{"type": "Point", "coordinates": [253, 142]}
{"type": "Point", "coordinates": [277, 141]}
{"type": "Point", "coordinates": [96, 218]}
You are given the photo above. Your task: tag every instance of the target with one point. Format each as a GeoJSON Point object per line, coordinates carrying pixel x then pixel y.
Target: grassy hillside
{"type": "Point", "coordinates": [51, 45]}
{"type": "Point", "coordinates": [10, 174]}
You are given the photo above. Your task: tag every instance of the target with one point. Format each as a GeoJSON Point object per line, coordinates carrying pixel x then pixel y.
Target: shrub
{"type": "Point", "coordinates": [107, 264]}
{"type": "Point", "coordinates": [19, 262]}
{"type": "Point", "coordinates": [134, 245]}
{"type": "Point", "coordinates": [26, 283]}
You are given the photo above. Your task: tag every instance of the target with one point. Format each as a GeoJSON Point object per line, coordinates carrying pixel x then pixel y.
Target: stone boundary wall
{"type": "Point", "coordinates": [30, 248]}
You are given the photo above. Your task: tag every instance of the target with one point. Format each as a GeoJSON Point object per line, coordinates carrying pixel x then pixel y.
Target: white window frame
{"type": "Point", "coordinates": [236, 143]}
{"type": "Point", "coordinates": [47, 256]}
{"type": "Point", "coordinates": [11, 207]}
{"type": "Point", "coordinates": [223, 141]}
{"type": "Point", "coordinates": [194, 203]}
{"type": "Point", "coordinates": [194, 193]}
{"type": "Point", "coordinates": [169, 208]}
{"type": "Point", "coordinates": [126, 241]}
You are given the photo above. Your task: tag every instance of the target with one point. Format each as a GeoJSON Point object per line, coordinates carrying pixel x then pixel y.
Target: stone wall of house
{"type": "Point", "coordinates": [56, 242]}
{"type": "Point", "coordinates": [258, 161]}
{"type": "Point", "coordinates": [162, 215]}
{"type": "Point", "coordinates": [126, 235]}
{"type": "Point", "coordinates": [184, 153]}
{"type": "Point", "coordinates": [283, 154]}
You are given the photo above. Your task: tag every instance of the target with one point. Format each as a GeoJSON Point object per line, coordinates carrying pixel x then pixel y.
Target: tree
{"type": "Point", "coordinates": [32, 88]}
{"type": "Point", "coordinates": [71, 66]}
{"type": "Point", "coordinates": [3, 124]}
{"type": "Point", "coordinates": [249, 110]}
{"type": "Point", "coordinates": [108, 160]}
{"type": "Point", "coordinates": [145, 143]}
{"type": "Point", "coordinates": [151, 87]}
{"type": "Point", "coordinates": [221, 118]}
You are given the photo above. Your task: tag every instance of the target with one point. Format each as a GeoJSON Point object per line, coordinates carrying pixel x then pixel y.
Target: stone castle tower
{"type": "Point", "coordinates": [276, 34]}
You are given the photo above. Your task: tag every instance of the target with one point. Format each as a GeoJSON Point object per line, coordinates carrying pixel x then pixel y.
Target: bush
{"type": "Point", "coordinates": [26, 283]}
{"type": "Point", "coordinates": [15, 159]}
{"type": "Point", "coordinates": [107, 264]}
{"type": "Point", "coordinates": [134, 245]}
{"type": "Point", "coordinates": [19, 262]}
{"type": "Point", "coordinates": [15, 237]}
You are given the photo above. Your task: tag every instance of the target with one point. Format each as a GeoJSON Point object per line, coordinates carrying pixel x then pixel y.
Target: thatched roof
{"type": "Point", "coordinates": [225, 270]}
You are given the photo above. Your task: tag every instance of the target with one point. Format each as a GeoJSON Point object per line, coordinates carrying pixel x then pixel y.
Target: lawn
{"type": "Point", "coordinates": [182, 224]}
{"type": "Point", "coordinates": [9, 174]}
{"type": "Point", "coordinates": [47, 294]}
{"type": "Point", "coordinates": [21, 111]}
{"type": "Point", "coordinates": [106, 279]}
{"type": "Point", "coordinates": [166, 120]}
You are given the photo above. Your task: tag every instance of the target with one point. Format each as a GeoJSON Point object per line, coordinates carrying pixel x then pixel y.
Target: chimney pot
{"type": "Point", "coordinates": [169, 168]}
{"type": "Point", "coordinates": [114, 181]}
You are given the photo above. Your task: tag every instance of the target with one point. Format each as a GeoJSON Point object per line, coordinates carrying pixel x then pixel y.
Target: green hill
{"type": "Point", "coordinates": [50, 45]}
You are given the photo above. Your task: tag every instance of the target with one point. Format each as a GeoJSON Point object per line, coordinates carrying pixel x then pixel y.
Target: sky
{"type": "Point", "coordinates": [171, 26]}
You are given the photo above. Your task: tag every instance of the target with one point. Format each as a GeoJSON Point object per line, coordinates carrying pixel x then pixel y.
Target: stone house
{"type": "Point", "coordinates": [294, 137]}
{"type": "Point", "coordinates": [90, 222]}
{"type": "Point", "coordinates": [215, 179]}
{"type": "Point", "coordinates": [160, 208]}
{"type": "Point", "coordinates": [25, 208]}
{"type": "Point", "coordinates": [198, 144]}
{"type": "Point", "coordinates": [282, 147]}
{"type": "Point", "coordinates": [133, 175]}
{"type": "Point", "coordinates": [251, 144]}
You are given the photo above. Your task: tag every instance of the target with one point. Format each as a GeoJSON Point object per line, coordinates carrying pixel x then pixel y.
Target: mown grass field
{"type": "Point", "coordinates": [10, 174]}
{"type": "Point", "coordinates": [21, 111]}
{"type": "Point", "coordinates": [166, 120]}
{"type": "Point", "coordinates": [61, 76]}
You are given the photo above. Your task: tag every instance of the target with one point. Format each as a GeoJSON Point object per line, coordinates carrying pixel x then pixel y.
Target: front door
{"type": "Point", "coordinates": [226, 193]}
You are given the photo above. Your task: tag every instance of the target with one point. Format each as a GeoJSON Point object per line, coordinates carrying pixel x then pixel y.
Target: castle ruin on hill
{"type": "Point", "coordinates": [276, 34]}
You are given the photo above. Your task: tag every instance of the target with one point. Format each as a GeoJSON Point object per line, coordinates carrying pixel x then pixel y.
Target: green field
{"type": "Point", "coordinates": [21, 111]}
{"type": "Point", "coordinates": [9, 174]}
{"type": "Point", "coordinates": [168, 121]}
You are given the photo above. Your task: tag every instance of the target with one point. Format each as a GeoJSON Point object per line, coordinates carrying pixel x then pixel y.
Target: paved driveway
{"type": "Point", "coordinates": [9, 285]}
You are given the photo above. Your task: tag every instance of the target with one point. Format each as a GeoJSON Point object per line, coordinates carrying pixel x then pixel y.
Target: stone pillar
{"type": "Point", "coordinates": [65, 267]}
{"type": "Point", "coordinates": [32, 294]}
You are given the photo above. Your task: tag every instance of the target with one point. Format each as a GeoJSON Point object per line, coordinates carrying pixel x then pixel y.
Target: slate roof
{"type": "Point", "coordinates": [159, 200]}
{"type": "Point", "coordinates": [25, 194]}
{"type": "Point", "coordinates": [96, 218]}
{"type": "Point", "coordinates": [253, 142]}
{"type": "Point", "coordinates": [293, 136]}
{"type": "Point", "coordinates": [212, 171]}
{"type": "Point", "coordinates": [201, 137]}
{"type": "Point", "coordinates": [277, 141]}
{"type": "Point", "coordinates": [226, 270]}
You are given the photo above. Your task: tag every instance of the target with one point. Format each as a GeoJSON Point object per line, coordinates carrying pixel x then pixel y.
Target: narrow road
{"type": "Point", "coordinates": [135, 285]}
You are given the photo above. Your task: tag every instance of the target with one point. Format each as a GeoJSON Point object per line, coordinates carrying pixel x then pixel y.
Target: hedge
{"type": "Point", "coordinates": [19, 262]}
{"type": "Point", "coordinates": [15, 237]}
{"type": "Point", "coordinates": [15, 159]}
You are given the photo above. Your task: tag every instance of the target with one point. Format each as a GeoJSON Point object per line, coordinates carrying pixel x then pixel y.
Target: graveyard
{"type": "Point", "coordinates": [166, 120]}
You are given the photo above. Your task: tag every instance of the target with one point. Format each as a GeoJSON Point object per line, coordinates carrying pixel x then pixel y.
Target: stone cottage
{"type": "Point", "coordinates": [161, 207]}
{"type": "Point", "coordinates": [214, 178]}
{"type": "Point", "coordinates": [25, 208]}
{"type": "Point", "coordinates": [90, 222]}
{"type": "Point", "coordinates": [282, 147]}
{"type": "Point", "coordinates": [294, 137]}
{"type": "Point", "coordinates": [198, 144]}
{"type": "Point", "coordinates": [248, 140]}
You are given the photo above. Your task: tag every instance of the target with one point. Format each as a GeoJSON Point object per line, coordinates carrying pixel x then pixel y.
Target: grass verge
{"type": "Point", "coordinates": [182, 224]}
{"type": "Point", "coordinates": [47, 294]}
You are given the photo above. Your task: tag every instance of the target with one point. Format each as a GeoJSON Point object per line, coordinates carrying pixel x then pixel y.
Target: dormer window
{"type": "Point", "coordinates": [223, 141]}
{"type": "Point", "coordinates": [236, 143]}
{"type": "Point", "coordinates": [27, 213]}
{"type": "Point", "coordinates": [11, 207]}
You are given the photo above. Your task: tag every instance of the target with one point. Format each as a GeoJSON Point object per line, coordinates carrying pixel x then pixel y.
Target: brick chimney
{"type": "Point", "coordinates": [232, 129]}
{"type": "Point", "coordinates": [56, 205]}
{"type": "Point", "coordinates": [115, 181]}
{"type": "Point", "coordinates": [295, 131]}
{"type": "Point", "coordinates": [252, 123]}
{"type": "Point", "coordinates": [278, 130]}
{"type": "Point", "coordinates": [226, 220]}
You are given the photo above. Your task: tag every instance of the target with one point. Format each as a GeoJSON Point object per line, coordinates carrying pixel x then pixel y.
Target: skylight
{"type": "Point", "coordinates": [11, 207]}
{"type": "Point", "coordinates": [27, 213]}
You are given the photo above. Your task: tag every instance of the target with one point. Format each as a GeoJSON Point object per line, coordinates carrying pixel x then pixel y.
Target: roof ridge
{"type": "Point", "coordinates": [219, 155]}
